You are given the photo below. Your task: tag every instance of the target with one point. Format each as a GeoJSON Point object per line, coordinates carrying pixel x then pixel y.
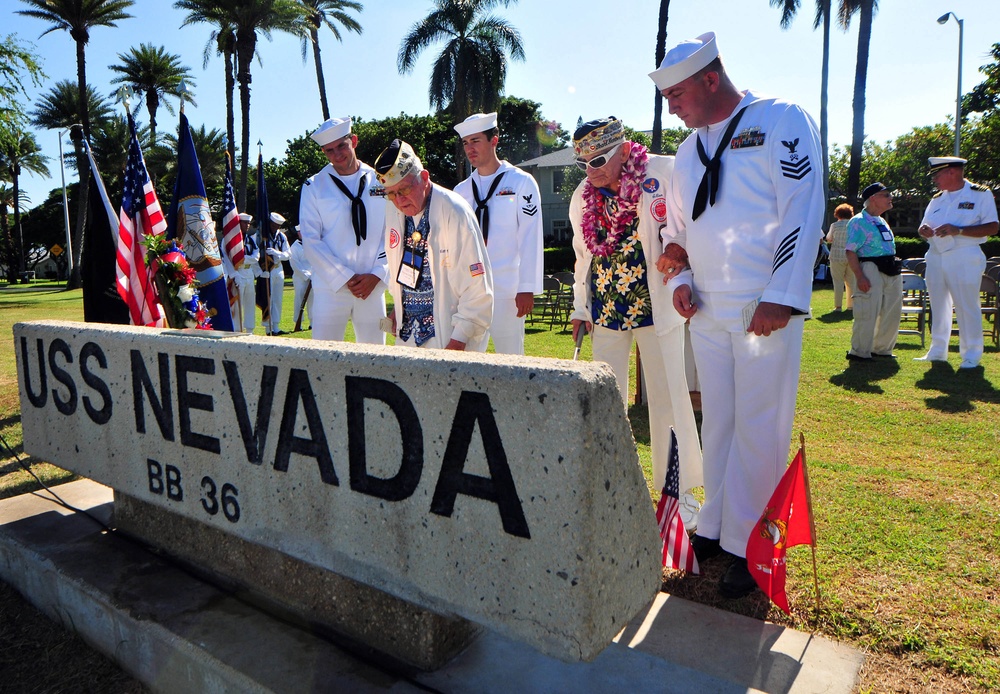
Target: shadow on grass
{"type": "Point", "coordinates": [704, 589]}
{"type": "Point", "coordinates": [960, 388]}
{"type": "Point", "coordinates": [836, 317]}
{"type": "Point", "coordinates": [863, 376]}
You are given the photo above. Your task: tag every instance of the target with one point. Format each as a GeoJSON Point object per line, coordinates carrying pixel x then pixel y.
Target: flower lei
{"type": "Point", "coordinates": [617, 221]}
{"type": "Point", "coordinates": [176, 284]}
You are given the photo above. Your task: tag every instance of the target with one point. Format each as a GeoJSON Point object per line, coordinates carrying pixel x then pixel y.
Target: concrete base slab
{"type": "Point", "coordinates": [179, 634]}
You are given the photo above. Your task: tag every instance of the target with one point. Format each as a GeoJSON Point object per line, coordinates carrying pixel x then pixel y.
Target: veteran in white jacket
{"type": "Point", "coordinates": [439, 276]}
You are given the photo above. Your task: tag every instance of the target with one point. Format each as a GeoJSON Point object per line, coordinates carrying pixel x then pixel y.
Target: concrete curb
{"type": "Point", "coordinates": [178, 634]}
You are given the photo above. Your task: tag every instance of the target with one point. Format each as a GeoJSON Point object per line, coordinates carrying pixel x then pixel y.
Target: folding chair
{"type": "Point", "coordinates": [989, 305]}
{"type": "Point", "coordinates": [916, 306]}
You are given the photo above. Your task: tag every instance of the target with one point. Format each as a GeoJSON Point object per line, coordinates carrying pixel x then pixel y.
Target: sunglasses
{"type": "Point", "coordinates": [600, 160]}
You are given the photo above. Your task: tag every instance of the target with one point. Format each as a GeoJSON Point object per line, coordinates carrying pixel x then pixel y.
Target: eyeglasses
{"type": "Point", "coordinates": [400, 193]}
{"type": "Point", "coordinates": [600, 160]}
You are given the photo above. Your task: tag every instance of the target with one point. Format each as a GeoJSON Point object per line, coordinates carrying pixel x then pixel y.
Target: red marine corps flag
{"type": "Point", "coordinates": [677, 550]}
{"type": "Point", "coordinates": [786, 522]}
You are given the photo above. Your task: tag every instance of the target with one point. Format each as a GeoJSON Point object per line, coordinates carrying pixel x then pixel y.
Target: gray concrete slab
{"type": "Point", "coordinates": [177, 633]}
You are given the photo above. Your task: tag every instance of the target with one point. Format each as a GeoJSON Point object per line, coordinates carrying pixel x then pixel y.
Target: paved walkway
{"type": "Point", "coordinates": [177, 633]}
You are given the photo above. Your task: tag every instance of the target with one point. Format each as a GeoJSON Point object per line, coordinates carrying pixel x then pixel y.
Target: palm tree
{"type": "Point", "coordinates": [470, 71]}
{"type": "Point", "coordinates": [660, 52]}
{"type": "Point", "coordinates": [20, 155]}
{"type": "Point", "coordinates": [823, 10]}
{"type": "Point", "coordinates": [328, 12]}
{"type": "Point", "coordinates": [78, 17]}
{"type": "Point", "coordinates": [866, 9]}
{"type": "Point", "coordinates": [59, 109]}
{"type": "Point", "coordinates": [246, 18]}
{"type": "Point", "coordinates": [154, 74]}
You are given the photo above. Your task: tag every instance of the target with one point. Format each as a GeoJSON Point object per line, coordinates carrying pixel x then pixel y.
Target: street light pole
{"type": "Point", "coordinates": [943, 19]}
{"type": "Point", "coordinates": [62, 171]}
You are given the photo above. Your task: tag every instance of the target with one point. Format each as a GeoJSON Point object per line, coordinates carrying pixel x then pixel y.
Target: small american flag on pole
{"type": "Point", "coordinates": [677, 550]}
{"type": "Point", "coordinates": [140, 215]}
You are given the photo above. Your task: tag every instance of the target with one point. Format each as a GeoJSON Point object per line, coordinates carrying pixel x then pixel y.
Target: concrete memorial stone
{"type": "Point", "coordinates": [502, 490]}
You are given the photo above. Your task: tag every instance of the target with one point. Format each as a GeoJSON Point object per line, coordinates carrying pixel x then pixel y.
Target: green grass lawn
{"type": "Point", "coordinates": [905, 475]}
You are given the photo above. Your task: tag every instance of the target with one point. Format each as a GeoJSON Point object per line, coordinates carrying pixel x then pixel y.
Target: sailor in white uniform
{"type": "Point", "coordinates": [956, 223]}
{"type": "Point", "coordinates": [341, 219]}
{"type": "Point", "coordinates": [745, 204]}
{"type": "Point", "coordinates": [301, 275]}
{"type": "Point", "coordinates": [276, 247]}
{"type": "Point", "coordinates": [507, 206]}
{"type": "Point", "coordinates": [246, 274]}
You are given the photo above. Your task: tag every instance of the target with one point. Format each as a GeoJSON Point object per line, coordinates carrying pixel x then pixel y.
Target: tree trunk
{"type": "Point", "coordinates": [860, 84]}
{"type": "Point", "coordinates": [230, 108]}
{"type": "Point", "coordinates": [82, 166]}
{"type": "Point", "coordinates": [245, 47]}
{"type": "Point", "coordinates": [661, 50]}
{"type": "Point", "coordinates": [152, 104]}
{"type": "Point", "coordinates": [824, 116]}
{"type": "Point", "coordinates": [314, 34]}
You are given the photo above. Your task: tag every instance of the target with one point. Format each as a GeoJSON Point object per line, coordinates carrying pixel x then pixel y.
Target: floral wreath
{"type": "Point", "coordinates": [618, 220]}
{"type": "Point", "coordinates": [175, 283]}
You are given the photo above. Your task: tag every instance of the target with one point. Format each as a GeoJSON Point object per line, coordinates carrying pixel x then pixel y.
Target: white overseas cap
{"type": "Point", "coordinates": [684, 60]}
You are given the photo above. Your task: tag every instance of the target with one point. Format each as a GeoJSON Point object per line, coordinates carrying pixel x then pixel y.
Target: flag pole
{"type": "Point", "coordinates": [268, 263]}
{"type": "Point", "coordinates": [812, 520]}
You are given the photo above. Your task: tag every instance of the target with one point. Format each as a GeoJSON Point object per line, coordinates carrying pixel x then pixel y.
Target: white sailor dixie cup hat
{"type": "Point", "coordinates": [685, 59]}
{"type": "Point", "coordinates": [476, 123]}
{"type": "Point", "coordinates": [277, 218]}
{"type": "Point", "coordinates": [331, 130]}
{"type": "Point", "coordinates": [939, 163]}
{"type": "Point", "coordinates": [244, 217]}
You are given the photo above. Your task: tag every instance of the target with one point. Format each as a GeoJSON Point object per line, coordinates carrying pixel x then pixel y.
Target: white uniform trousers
{"type": "Point", "coordinates": [748, 390]}
{"type": "Point", "coordinates": [244, 283]}
{"type": "Point", "coordinates": [300, 283]}
{"type": "Point", "coordinates": [507, 330]}
{"type": "Point", "coordinates": [277, 280]}
{"type": "Point", "coordinates": [841, 274]}
{"type": "Point", "coordinates": [953, 280]}
{"type": "Point", "coordinates": [665, 388]}
{"type": "Point", "coordinates": [331, 311]}
{"type": "Point", "coordinates": [876, 313]}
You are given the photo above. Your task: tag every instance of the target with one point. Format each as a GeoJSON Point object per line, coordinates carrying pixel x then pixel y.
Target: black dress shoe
{"type": "Point", "coordinates": [855, 357]}
{"type": "Point", "coordinates": [883, 356]}
{"type": "Point", "coordinates": [279, 332]}
{"type": "Point", "coordinates": [737, 581]}
{"type": "Point", "coordinates": [704, 548]}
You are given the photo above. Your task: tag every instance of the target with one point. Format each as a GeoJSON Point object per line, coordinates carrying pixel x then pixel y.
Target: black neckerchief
{"type": "Point", "coordinates": [709, 186]}
{"type": "Point", "coordinates": [482, 211]}
{"type": "Point", "coordinates": [359, 216]}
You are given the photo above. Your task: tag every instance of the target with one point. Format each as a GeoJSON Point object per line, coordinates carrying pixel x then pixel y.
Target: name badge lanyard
{"type": "Point", "coordinates": [411, 268]}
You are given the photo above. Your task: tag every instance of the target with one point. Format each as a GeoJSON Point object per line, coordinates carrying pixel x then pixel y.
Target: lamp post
{"type": "Point", "coordinates": [943, 19]}
{"type": "Point", "coordinates": [62, 172]}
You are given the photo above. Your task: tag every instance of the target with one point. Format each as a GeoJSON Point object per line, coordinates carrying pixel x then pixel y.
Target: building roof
{"type": "Point", "coordinates": [553, 160]}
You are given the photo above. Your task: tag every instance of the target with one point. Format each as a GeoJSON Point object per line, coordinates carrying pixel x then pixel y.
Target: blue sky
{"type": "Point", "coordinates": [583, 59]}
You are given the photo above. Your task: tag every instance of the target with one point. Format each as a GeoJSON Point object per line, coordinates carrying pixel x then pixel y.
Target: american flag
{"type": "Point", "coordinates": [677, 550]}
{"type": "Point", "coordinates": [232, 239]}
{"type": "Point", "coordinates": [140, 215]}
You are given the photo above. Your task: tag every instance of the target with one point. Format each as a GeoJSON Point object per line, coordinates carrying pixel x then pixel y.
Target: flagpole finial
{"type": "Point", "coordinates": [260, 146]}
{"type": "Point", "coordinates": [125, 95]}
{"type": "Point", "coordinates": [184, 93]}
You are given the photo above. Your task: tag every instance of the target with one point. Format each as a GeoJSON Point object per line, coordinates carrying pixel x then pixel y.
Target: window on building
{"type": "Point", "coordinates": [558, 177]}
